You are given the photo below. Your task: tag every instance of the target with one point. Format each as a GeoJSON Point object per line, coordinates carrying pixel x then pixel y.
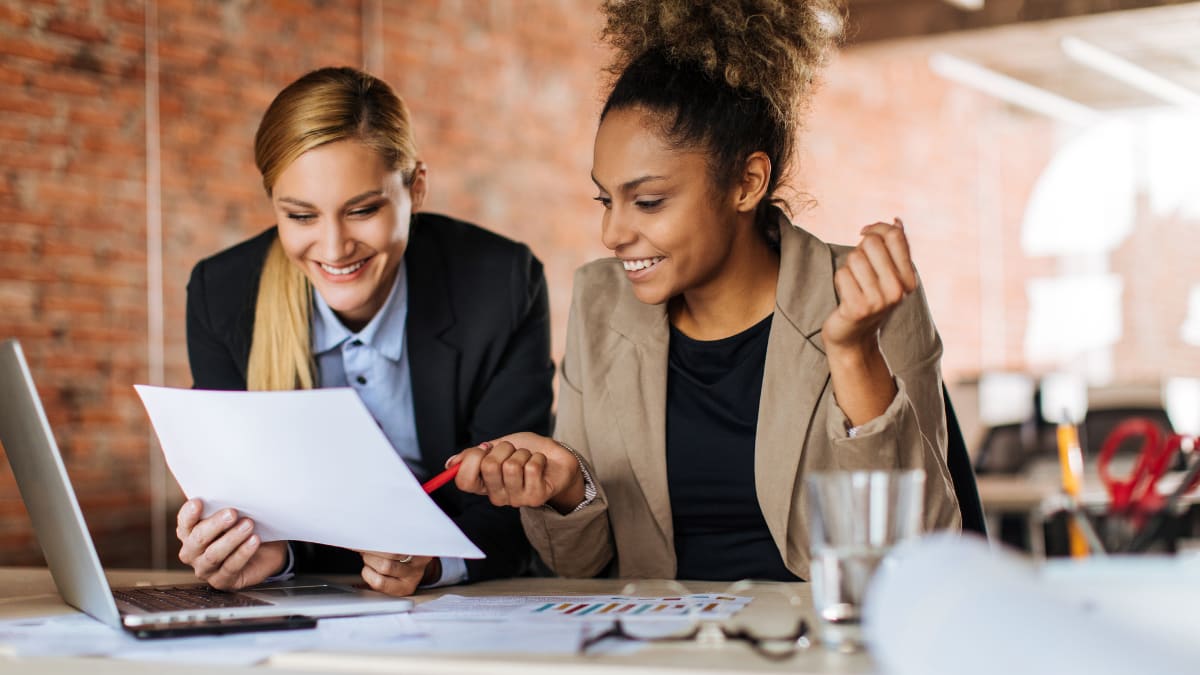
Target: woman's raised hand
{"type": "Point", "coordinates": [877, 275]}
{"type": "Point", "coordinates": [223, 549]}
{"type": "Point", "coordinates": [522, 469]}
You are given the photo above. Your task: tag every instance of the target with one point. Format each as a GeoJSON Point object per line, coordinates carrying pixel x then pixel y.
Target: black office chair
{"type": "Point", "coordinates": [961, 473]}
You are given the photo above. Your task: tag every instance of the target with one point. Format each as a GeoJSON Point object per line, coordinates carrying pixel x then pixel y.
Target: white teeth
{"type": "Point", "coordinates": [339, 271]}
{"type": "Point", "coordinates": [641, 264]}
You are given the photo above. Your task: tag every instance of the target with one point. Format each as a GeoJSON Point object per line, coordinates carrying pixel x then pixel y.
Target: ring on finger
{"type": "Point", "coordinates": [405, 560]}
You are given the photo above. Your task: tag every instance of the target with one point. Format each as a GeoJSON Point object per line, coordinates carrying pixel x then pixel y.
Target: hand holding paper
{"type": "Point", "coordinates": [304, 465]}
{"type": "Point", "coordinates": [224, 550]}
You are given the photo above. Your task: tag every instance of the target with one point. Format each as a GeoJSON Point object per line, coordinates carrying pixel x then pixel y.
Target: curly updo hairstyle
{"type": "Point", "coordinates": [729, 76]}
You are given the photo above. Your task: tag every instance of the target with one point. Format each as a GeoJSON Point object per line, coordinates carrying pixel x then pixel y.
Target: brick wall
{"type": "Point", "coordinates": [888, 138]}
{"type": "Point", "coordinates": [73, 252]}
{"type": "Point", "coordinates": [504, 100]}
{"type": "Point", "coordinates": [504, 96]}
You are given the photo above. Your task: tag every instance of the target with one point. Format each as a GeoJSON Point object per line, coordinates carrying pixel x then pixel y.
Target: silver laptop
{"type": "Point", "coordinates": [71, 556]}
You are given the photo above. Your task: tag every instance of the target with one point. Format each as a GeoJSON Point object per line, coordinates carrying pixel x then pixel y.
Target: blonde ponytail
{"type": "Point", "coordinates": [280, 351]}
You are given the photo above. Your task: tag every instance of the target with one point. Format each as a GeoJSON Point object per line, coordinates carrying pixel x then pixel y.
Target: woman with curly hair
{"type": "Point", "coordinates": [722, 352]}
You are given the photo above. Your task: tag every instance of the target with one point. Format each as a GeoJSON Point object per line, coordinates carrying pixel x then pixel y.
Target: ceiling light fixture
{"type": "Point", "coordinates": [1124, 70]}
{"type": "Point", "coordinates": [1012, 90]}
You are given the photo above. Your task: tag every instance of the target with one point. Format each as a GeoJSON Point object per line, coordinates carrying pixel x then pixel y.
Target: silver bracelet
{"type": "Point", "coordinates": [589, 485]}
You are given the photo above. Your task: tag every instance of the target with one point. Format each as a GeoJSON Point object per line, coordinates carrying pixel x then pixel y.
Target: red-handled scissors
{"type": "Point", "coordinates": [1138, 493]}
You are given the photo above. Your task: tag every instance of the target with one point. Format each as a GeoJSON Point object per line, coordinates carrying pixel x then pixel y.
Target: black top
{"type": "Point", "coordinates": [713, 388]}
{"type": "Point", "coordinates": [478, 335]}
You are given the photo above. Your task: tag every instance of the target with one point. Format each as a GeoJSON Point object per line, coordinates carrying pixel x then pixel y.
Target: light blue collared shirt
{"type": "Point", "coordinates": [374, 362]}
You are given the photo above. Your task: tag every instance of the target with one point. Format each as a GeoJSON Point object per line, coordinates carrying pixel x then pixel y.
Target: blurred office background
{"type": "Point", "coordinates": [1041, 152]}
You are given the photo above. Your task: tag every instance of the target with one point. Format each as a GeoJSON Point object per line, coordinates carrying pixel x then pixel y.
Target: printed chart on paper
{"type": "Point", "coordinates": [699, 605]}
{"type": "Point", "coordinates": [702, 605]}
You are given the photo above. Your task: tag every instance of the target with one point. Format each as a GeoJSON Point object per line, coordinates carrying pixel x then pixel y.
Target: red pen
{"type": "Point", "coordinates": [448, 475]}
{"type": "Point", "coordinates": [441, 479]}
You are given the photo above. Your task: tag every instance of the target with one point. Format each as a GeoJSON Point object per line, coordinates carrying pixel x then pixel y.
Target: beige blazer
{"type": "Point", "coordinates": [612, 409]}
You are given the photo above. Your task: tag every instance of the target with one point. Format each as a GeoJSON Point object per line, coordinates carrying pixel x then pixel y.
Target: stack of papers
{"type": "Point", "coordinates": [80, 635]}
{"type": "Point", "coordinates": [582, 607]}
{"type": "Point", "coordinates": [451, 624]}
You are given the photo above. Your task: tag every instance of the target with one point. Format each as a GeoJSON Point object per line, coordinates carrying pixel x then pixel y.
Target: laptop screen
{"type": "Point", "coordinates": [46, 489]}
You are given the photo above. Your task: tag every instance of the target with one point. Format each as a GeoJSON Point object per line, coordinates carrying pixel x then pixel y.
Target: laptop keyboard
{"type": "Point", "coordinates": [183, 597]}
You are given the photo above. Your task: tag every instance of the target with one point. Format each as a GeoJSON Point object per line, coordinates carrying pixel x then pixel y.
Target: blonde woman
{"type": "Point", "coordinates": [722, 352]}
{"type": "Point", "coordinates": [441, 327]}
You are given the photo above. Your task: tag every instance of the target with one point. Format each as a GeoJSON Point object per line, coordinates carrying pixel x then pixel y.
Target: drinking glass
{"type": "Point", "coordinates": [855, 517]}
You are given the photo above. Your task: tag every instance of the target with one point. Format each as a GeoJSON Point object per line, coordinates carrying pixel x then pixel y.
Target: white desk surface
{"type": "Point", "coordinates": [26, 592]}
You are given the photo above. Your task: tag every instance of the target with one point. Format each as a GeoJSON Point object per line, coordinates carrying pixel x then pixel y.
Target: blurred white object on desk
{"type": "Point", "coordinates": [1064, 398]}
{"type": "Point", "coordinates": [949, 604]}
{"type": "Point", "coordinates": [1005, 398]}
{"type": "Point", "coordinates": [1181, 398]}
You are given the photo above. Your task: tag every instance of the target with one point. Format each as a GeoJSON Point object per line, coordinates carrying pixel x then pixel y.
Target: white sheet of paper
{"type": "Point", "coordinates": [501, 637]}
{"type": "Point", "coordinates": [80, 635]}
{"type": "Point", "coordinates": [305, 465]}
{"type": "Point", "coordinates": [578, 607]}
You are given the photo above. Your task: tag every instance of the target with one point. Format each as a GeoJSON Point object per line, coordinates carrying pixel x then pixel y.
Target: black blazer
{"type": "Point", "coordinates": [478, 340]}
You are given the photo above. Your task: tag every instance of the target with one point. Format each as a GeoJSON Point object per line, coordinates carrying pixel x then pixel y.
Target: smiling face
{"type": "Point", "coordinates": [664, 218]}
{"type": "Point", "coordinates": [343, 218]}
